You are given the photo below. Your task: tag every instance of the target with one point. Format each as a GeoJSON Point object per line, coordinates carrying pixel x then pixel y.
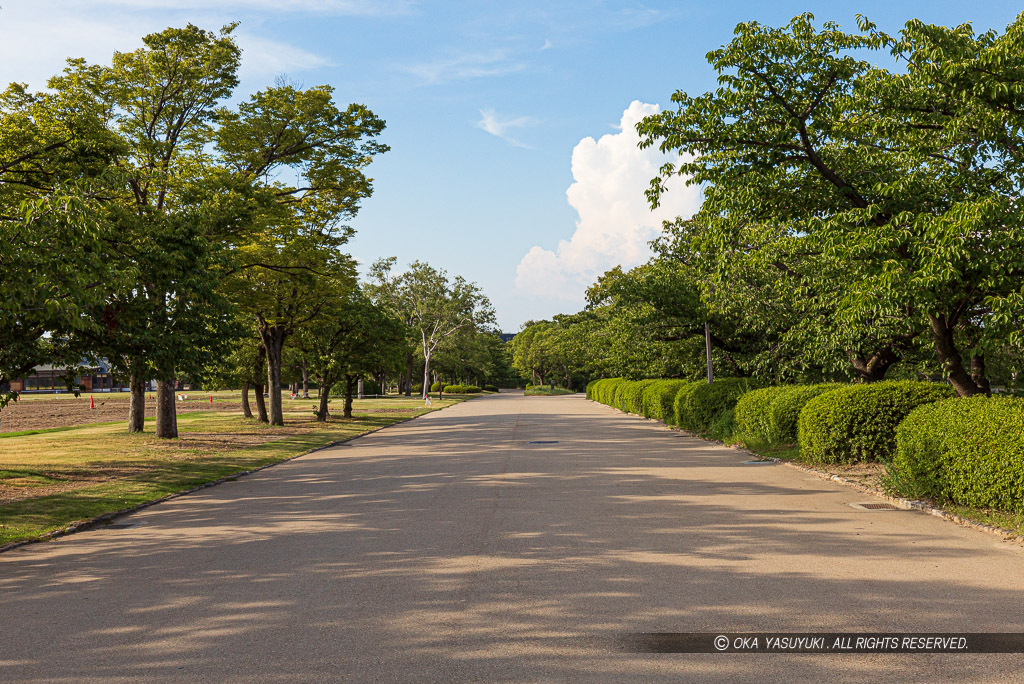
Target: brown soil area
{"type": "Point", "coordinates": [37, 413]}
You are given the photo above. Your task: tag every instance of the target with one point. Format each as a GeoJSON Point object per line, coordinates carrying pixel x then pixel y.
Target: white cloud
{"type": "Point", "coordinates": [547, 45]}
{"type": "Point", "coordinates": [615, 222]}
{"type": "Point", "coordinates": [463, 66]}
{"type": "Point", "coordinates": [499, 128]}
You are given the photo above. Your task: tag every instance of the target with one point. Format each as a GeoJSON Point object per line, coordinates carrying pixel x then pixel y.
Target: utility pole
{"type": "Point", "coordinates": [707, 346]}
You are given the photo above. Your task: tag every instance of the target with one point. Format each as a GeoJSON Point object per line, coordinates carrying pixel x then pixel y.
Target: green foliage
{"type": "Point", "coordinates": [723, 428]}
{"type": "Point", "coordinates": [461, 389]}
{"type": "Point", "coordinates": [603, 391]}
{"type": "Point", "coordinates": [965, 451]}
{"type": "Point", "coordinates": [681, 404]}
{"type": "Point", "coordinates": [698, 406]}
{"type": "Point", "coordinates": [436, 386]}
{"type": "Point", "coordinates": [752, 414]}
{"type": "Point", "coordinates": [784, 411]}
{"type": "Point", "coordinates": [631, 398]}
{"type": "Point", "coordinates": [858, 422]}
{"type": "Point", "coordinates": [491, 388]}
{"type": "Point", "coordinates": [659, 398]}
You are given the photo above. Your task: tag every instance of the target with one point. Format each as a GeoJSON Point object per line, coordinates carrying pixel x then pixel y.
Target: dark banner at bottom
{"type": "Point", "coordinates": [769, 642]}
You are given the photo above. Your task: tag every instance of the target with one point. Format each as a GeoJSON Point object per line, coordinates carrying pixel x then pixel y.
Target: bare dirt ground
{"type": "Point", "coordinates": [36, 413]}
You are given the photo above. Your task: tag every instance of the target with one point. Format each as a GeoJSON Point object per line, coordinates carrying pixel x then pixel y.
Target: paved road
{"type": "Point", "coordinates": [450, 548]}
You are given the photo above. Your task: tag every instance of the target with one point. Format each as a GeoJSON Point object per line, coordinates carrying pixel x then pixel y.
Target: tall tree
{"type": "Point", "coordinates": [904, 185]}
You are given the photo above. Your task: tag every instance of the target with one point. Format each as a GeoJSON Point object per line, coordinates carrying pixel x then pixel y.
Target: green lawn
{"type": "Point", "coordinates": [50, 479]}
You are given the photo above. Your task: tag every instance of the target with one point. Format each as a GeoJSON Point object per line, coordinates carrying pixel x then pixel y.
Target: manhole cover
{"type": "Point", "coordinates": [765, 461]}
{"type": "Point", "coordinates": [876, 506]}
{"type": "Point", "coordinates": [544, 441]}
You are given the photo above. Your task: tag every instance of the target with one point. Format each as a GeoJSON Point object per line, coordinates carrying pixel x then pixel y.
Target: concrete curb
{"type": "Point", "coordinates": [907, 504]}
{"type": "Point", "coordinates": [106, 517]}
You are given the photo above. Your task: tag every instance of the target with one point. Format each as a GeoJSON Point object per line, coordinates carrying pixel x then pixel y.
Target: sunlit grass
{"type": "Point", "coordinates": [50, 479]}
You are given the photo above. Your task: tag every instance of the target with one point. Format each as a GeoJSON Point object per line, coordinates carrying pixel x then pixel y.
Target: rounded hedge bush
{"type": "Point", "coordinates": [631, 397]}
{"type": "Point", "coordinates": [436, 386]}
{"type": "Point", "coordinates": [699, 405]}
{"type": "Point", "coordinates": [462, 389]}
{"type": "Point", "coordinates": [491, 388]}
{"type": "Point", "coordinates": [858, 422]}
{"type": "Point", "coordinates": [969, 451]}
{"type": "Point", "coordinates": [603, 391]}
{"type": "Point", "coordinates": [658, 399]}
{"type": "Point", "coordinates": [752, 412]}
{"type": "Point", "coordinates": [784, 411]}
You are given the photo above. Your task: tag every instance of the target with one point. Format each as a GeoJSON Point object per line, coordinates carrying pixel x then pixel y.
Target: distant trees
{"type": "Point", "coordinates": [434, 307]}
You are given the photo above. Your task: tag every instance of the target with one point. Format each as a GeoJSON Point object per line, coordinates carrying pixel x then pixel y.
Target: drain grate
{"type": "Point", "coordinates": [872, 506]}
{"type": "Point", "coordinates": [544, 441]}
{"type": "Point", "coordinates": [118, 526]}
{"type": "Point", "coordinates": [763, 461]}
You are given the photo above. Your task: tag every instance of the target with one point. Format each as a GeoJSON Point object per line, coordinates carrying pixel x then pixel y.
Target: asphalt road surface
{"type": "Point", "coordinates": [506, 539]}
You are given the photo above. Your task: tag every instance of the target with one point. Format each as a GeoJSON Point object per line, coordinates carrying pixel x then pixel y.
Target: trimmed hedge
{"type": "Point", "coordinates": [752, 413]}
{"type": "Point", "coordinates": [969, 451]}
{"type": "Point", "coordinates": [784, 412]}
{"type": "Point", "coordinates": [462, 389]}
{"type": "Point", "coordinates": [491, 388]}
{"type": "Point", "coordinates": [659, 399]}
{"type": "Point", "coordinates": [631, 398]}
{"type": "Point", "coordinates": [858, 422]}
{"type": "Point", "coordinates": [603, 391]}
{"type": "Point", "coordinates": [699, 404]}
{"type": "Point", "coordinates": [437, 386]}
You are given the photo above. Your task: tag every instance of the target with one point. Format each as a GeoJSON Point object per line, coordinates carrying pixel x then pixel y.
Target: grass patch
{"type": "Point", "coordinates": [545, 391]}
{"type": "Point", "coordinates": [50, 479]}
{"type": "Point", "coordinates": [39, 431]}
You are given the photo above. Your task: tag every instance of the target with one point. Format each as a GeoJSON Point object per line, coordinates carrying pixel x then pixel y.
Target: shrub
{"type": "Point", "coordinates": [658, 398]}
{"type": "Point", "coordinates": [436, 386]}
{"type": "Point", "coordinates": [631, 398]}
{"type": "Point", "coordinates": [969, 451]}
{"type": "Point", "coordinates": [785, 410]}
{"type": "Point", "coordinates": [681, 402]}
{"type": "Point", "coordinates": [602, 391]}
{"type": "Point", "coordinates": [698, 405]}
{"type": "Point", "coordinates": [417, 390]}
{"type": "Point", "coordinates": [724, 425]}
{"type": "Point", "coordinates": [858, 422]}
{"type": "Point", "coordinates": [752, 412]}
{"type": "Point", "coordinates": [462, 389]}
{"type": "Point", "coordinates": [491, 388]}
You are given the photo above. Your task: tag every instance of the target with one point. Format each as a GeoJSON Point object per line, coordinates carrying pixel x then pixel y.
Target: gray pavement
{"type": "Point", "coordinates": [449, 548]}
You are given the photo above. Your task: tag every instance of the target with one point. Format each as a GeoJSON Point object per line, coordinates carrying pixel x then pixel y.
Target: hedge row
{"type": "Point", "coordinates": [968, 451]}
{"type": "Point", "coordinates": [858, 422]}
{"type": "Point", "coordinates": [462, 389]}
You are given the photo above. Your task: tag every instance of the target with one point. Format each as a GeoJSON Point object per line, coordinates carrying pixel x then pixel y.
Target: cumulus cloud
{"type": "Point", "coordinates": [615, 222]}
{"type": "Point", "coordinates": [492, 123]}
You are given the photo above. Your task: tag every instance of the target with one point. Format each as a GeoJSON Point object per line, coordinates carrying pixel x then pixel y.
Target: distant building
{"type": "Point", "coordinates": [95, 378]}
{"type": "Point", "coordinates": [506, 337]}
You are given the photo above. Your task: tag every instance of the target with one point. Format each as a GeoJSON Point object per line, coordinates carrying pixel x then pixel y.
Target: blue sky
{"type": "Point", "coordinates": [513, 162]}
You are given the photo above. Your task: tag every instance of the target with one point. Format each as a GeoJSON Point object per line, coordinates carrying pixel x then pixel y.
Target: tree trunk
{"type": "Point", "coordinates": [305, 379]}
{"type": "Point", "coordinates": [349, 386]}
{"type": "Point", "coordinates": [408, 375]}
{"type": "Point", "coordinates": [873, 368]}
{"type": "Point", "coordinates": [166, 411]}
{"type": "Point", "coordinates": [426, 374]}
{"type": "Point", "coordinates": [273, 342]}
{"type": "Point", "coordinates": [261, 405]}
{"type": "Point", "coordinates": [949, 357]}
{"type": "Point", "coordinates": [325, 393]}
{"type": "Point", "coordinates": [360, 389]}
{"type": "Point", "coordinates": [246, 409]}
{"type": "Point", "coordinates": [137, 400]}
{"type": "Point", "coordinates": [978, 374]}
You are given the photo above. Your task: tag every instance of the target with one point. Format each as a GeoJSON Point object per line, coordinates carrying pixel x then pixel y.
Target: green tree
{"type": "Point", "coordinates": [905, 184]}
{"type": "Point", "coordinates": [437, 308]}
